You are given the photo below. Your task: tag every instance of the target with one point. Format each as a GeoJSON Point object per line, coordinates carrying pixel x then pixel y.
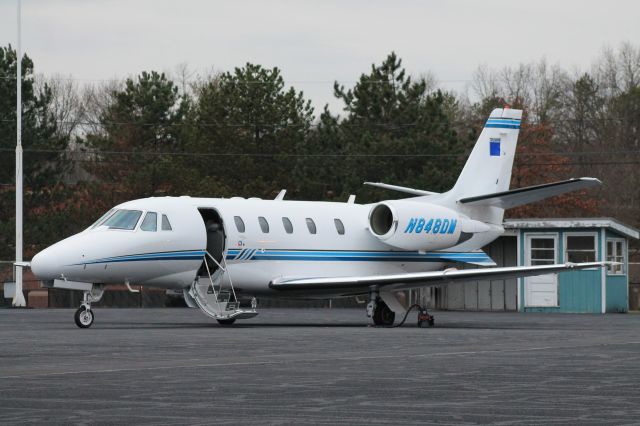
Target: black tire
{"type": "Point", "coordinates": [383, 315]}
{"type": "Point", "coordinates": [226, 321]}
{"type": "Point", "coordinates": [83, 317]}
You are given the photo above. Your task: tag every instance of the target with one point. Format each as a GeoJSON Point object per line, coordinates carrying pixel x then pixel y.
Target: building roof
{"type": "Point", "coordinates": [600, 222]}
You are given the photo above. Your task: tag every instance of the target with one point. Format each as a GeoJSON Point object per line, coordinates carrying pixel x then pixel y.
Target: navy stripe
{"type": "Point", "coordinates": [143, 257]}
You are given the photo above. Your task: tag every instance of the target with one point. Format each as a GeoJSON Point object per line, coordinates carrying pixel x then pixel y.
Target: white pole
{"type": "Point", "coordinates": [18, 298]}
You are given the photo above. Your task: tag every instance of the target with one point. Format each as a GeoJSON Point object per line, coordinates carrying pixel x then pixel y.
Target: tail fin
{"type": "Point", "coordinates": [488, 168]}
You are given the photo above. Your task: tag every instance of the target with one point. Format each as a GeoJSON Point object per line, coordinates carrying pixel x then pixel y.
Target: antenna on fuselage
{"type": "Point", "coordinates": [280, 195]}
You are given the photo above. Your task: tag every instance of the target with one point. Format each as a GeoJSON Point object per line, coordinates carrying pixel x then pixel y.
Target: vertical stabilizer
{"type": "Point", "coordinates": [488, 168]}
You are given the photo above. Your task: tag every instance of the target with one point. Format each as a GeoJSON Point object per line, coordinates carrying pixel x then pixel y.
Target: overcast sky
{"type": "Point", "coordinates": [314, 42]}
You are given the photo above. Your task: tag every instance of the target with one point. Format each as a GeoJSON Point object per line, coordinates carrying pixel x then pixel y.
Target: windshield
{"type": "Point", "coordinates": [102, 218]}
{"type": "Point", "coordinates": [123, 219]}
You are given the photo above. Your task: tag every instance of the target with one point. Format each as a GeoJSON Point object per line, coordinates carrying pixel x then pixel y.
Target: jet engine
{"type": "Point", "coordinates": [411, 225]}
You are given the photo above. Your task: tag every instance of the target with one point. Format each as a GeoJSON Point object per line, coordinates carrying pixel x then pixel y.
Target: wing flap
{"type": "Point", "coordinates": [421, 279]}
{"type": "Point", "coordinates": [529, 194]}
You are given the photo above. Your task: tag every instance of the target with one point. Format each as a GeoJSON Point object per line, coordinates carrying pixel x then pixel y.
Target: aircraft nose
{"type": "Point", "coordinates": [45, 264]}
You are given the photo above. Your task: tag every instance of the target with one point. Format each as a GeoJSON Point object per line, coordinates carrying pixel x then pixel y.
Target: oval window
{"type": "Point", "coordinates": [287, 225]}
{"type": "Point", "coordinates": [264, 225]}
{"type": "Point", "coordinates": [311, 225]}
{"type": "Point", "coordinates": [239, 223]}
{"type": "Point", "coordinates": [339, 226]}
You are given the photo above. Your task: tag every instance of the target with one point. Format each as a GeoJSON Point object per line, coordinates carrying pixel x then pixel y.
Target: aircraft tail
{"type": "Point", "coordinates": [488, 168]}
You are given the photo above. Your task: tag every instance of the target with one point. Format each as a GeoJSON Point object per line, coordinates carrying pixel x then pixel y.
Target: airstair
{"type": "Point", "coordinates": [216, 300]}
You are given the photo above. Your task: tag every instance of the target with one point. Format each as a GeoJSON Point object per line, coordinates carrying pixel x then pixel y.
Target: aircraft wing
{"type": "Point", "coordinates": [529, 194]}
{"type": "Point", "coordinates": [423, 279]}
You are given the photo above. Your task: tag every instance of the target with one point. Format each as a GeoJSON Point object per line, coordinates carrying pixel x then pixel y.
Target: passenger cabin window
{"type": "Point", "coordinates": [123, 219]}
{"type": "Point", "coordinates": [287, 225]}
{"type": "Point", "coordinates": [615, 253]}
{"type": "Point", "coordinates": [311, 225]}
{"type": "Point", "coordinates": [150, 222]}
{"type": "Point", "coordinates": [166, 225]}
{"type": "Point", "coordinates": [339, 226]}
{"type": "Point", "coordinates": [239, 223]}
{"type": "Point", "coordinates": [264, 225]}
{"type": "Point", "coordinates": [581, 248]}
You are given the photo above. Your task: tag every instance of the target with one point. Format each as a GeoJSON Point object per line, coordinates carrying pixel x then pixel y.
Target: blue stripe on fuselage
{"type": "Point", "coordinates": [303, 255]}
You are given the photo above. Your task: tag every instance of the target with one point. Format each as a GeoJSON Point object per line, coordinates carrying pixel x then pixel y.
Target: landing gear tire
{"type": "Point", "coordinates": [383, 315]}
{"type": "Point", "coordinates": [226, 321]}
{"type": "Point", "coordinates": [83, 317]}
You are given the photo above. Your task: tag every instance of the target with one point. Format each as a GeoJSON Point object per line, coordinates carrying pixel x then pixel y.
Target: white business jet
{"type": "Point", "coordinates": [218, 251]}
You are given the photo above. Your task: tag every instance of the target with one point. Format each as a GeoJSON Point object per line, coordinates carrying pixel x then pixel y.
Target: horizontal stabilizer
{"type": "Point", "coordinates": [397, 188]}
{"type": "Point", "coordinates": [423, 279]}
{"type": "Point", "coordinates": [530, 194]}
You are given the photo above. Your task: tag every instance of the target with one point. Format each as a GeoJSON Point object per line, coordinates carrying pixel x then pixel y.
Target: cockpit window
{"type": "Point", "coordinates": [150, 222]}
{"type": "Point", "coordinates": [166, 225]}
{"type": "Point", "coordinates": [102, 218]}
{"type": "Point", "coordinates": [123, 219]}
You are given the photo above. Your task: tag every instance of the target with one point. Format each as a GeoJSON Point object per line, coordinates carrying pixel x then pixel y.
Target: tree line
{"type": "Point", "coordinates": [245, 132]}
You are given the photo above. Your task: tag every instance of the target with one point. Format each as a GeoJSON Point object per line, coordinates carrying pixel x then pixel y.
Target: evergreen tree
{"type": "Point", "coordinates": [42, 160]}
{"type": "Point", "coordinates": [394, 130]}
{"type": "Point", "coordinates": [144, 119]}
{"type": "Point", "coordinates": [253, 126]}
{"type": "Point", "coordinates": [38, 124]}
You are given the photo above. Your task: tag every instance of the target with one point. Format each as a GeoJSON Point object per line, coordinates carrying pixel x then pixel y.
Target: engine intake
{"type": "Point", "coordinates": [382, 220]}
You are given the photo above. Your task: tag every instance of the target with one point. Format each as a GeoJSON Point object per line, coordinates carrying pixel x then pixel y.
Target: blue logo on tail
{"type": "Point", "coordinates": [494, 147]}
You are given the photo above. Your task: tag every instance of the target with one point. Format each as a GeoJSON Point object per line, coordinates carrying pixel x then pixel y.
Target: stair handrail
{"type": "Point", "coordinates": [225, 270]}
{"type": "Point", "coordinates": [213, 287]}
{"type": "Point", "coordinates": [233, 290]}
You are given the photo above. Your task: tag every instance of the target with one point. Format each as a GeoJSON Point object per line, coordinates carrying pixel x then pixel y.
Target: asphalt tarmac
{"type": "Point", "coordinates": [318, 366]}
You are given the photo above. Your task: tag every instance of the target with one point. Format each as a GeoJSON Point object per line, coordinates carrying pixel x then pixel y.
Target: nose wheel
{"type": "Point", "coordinates": [84, 317]}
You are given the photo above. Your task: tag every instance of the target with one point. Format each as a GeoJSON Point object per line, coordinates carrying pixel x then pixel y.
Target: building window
{"type": "Point", "coordinates": [580, 248]}
{"type": "Point", "coordinates": [543, 251]}
{"type": "Point", "coordinates": [311, 225]}
{"type": "Point", "coordinates": [264, 225]}
{"type": "Point", "coordinates": [615, 253]}
{"type": "Point", "coordinates": [339, 226]}
{"type": "Point", "coordinates": [166, 225]}
{"type": "Point", "coordinates": [239, 223]}
{"type": "Point", "coordinates": [150, 222]}
{"type": "Point", "coordinates": [287, 225]}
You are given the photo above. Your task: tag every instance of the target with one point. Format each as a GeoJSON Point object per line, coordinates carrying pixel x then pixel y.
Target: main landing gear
{"type": "Point", "coordinates": [84, 315]}
{"type": "Point", "coordinates": [382, 316]}
{"type": "Point", "coordinates": [380, 313]}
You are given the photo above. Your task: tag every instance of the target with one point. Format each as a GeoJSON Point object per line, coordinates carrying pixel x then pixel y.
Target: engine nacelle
{"type": "Point", "coordinates": [411, 225]}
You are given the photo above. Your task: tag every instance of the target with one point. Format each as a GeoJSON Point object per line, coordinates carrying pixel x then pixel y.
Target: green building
{"type": "Point", "coordinates": [548, 241]}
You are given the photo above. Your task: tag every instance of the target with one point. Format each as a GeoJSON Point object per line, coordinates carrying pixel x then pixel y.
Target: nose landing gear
{"type": "Point", "coordinates": [84, 315]}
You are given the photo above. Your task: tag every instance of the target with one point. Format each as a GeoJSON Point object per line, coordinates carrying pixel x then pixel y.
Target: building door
{"type": "Point", "coordinates": [542, 290]}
